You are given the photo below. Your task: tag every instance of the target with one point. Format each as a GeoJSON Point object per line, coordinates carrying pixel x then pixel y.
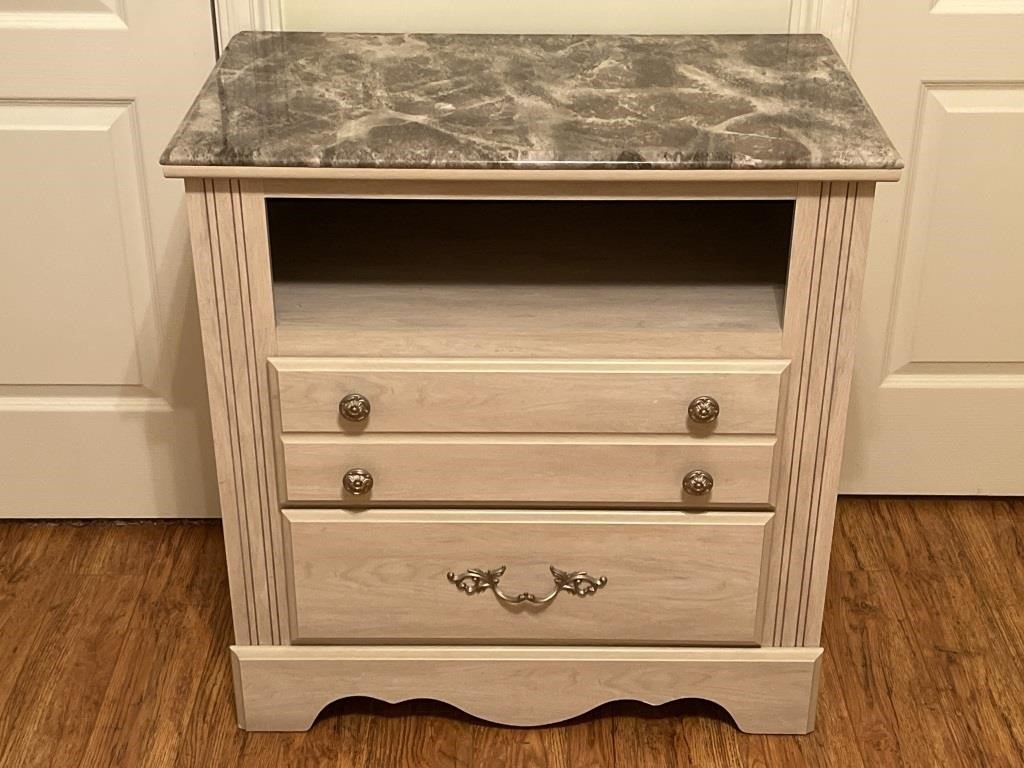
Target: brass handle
{"type": "Point", "coordinates": [704, 410]}
{"type": "Point", "coordinates": [358, 482]}
{"type": "Point", "coordinates": [579, 583]}
{"type": "Point", "coordinates": [698, 483]}
{"type": "Point", "coordinates": [354, 407]}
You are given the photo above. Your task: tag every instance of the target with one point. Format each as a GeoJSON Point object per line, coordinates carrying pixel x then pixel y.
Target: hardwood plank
{"type": "Point", "coordinates": [708, 741]}
{"type": "Point", "coordinates": [960, 606]}
{"type": "Point", "coordinates": [534, 748]}
{"type": "Point", "coordinates": [919, 548]}
{"type": "Point", "coordinates": [859, 643]}
{"type": "Point", "coordinates": [33, 547]}
{"type": "Point", "coordinates": [51, 707]}
{"type": "Point", "coordinates": [583, 741]}
{"type": "Point", "coordinates": [208, 732]}
{"type": "Point", "coordinates": [854, 525]}
{"type": "Point", "coordinates": [151, 677]}
{"type": "Point", "coordinates": [26, 598]}
{"type": "Point", "coordinates": [996, 539]}
{"type": "Point", "coordinates": [419, 733]}
{"type": "Point", "coordinates": [642, 738]}
{"type": "Point", "coordinates": [589, 740]}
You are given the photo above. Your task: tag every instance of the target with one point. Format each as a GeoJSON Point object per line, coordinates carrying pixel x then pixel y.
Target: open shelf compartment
{"type": "Point", "coordinates": [529, 278]}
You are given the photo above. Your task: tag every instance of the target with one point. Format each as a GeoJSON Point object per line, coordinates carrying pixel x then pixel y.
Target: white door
{"type": "Point", "coordinates": [938, 396]}
{"type": "Point", "coordinates": [664, 17]}
{"type": "Point", "coordinates": [102, 400]}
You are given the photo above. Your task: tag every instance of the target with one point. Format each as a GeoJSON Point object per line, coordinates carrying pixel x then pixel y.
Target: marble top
{"type": "Point", "coordinates": [308, 99]}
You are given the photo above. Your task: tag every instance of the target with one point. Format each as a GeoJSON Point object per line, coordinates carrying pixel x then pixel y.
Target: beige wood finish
{"type": "Point", "coordinates": [770, 690]}
{"type": "Point", "coordinates": [379, 576]}
{"type": "Point", "coordinates": [620, 321]}
{"type": "Point", "coordinates": [826, 276]}
{"type": "Point", "coordinates": [513, 396]}
{"type": "Point", "coordinates": [229, 232]}
{"type": "Point", "coordinates": [554, 469]}
{"type": "Point", "coordinates": [288, 685]}
{"type": "Point", "coordinates": [938, 396]}
{"type": "Point", "coordinates": [232, 267]}
{"type": "Point", "coordinates": [102, 404]}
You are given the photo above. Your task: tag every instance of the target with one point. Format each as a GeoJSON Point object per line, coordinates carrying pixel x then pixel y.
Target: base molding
{"type": "Point", "coordinates": [766, 690]}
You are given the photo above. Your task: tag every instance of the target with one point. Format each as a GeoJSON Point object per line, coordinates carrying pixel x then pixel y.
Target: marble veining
{"type": "Point", "coordinates": [306, 99]}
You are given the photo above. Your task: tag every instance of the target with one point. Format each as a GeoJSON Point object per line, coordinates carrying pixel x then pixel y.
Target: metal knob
{"type": "Point", "coordinates": [358, 482]}
{"type": "Point", "coordinates": [354, 407]}
{"type": "Point", "coordinates": [698, 483]}
{"type": "Point", "coordinates": [704, 410]}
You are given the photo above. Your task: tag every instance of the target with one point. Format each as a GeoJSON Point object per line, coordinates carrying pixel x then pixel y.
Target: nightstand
{"type": "Point", "coordinates": [528, 359]}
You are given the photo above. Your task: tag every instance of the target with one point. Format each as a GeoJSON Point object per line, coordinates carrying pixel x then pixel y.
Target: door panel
{"type": "Point", "coordinates": [964, 251]}
{"type": "Point", "coordinates": [67, 288]}
{"type": "Point", "coordinates": [21, 12]}
{"type": "Point", "coordinates": [102, 402]}
{"type": "Point", "coordinates": [938, 397]}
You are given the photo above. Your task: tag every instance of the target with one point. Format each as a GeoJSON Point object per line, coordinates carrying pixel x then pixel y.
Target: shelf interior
{"type": "Point", "coordinates": [536, 278]}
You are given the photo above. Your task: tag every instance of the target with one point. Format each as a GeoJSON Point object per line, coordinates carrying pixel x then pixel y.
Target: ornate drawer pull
{"type": "Point", "coordinates": [354, 407]}
{"type": "Point", "coordinates": [698, 483]}
{"type": "Point", "coordinates": [579, 583]}
{"type": "Point", "coordinates": [704, 410]}
{"type": "Point", "coordinates": [357, 482]}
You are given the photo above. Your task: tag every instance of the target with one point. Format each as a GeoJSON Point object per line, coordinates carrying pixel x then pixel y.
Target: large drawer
{"type": "Point", "coordinates": [381, 576]}
{"type": "Point", "coordinates": [550, 469]}
{"type": "Point", "coordinates": [521, 396]}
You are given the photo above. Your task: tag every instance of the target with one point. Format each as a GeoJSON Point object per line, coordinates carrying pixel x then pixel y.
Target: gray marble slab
{"type": "Point", "coordinates": [303, 99]}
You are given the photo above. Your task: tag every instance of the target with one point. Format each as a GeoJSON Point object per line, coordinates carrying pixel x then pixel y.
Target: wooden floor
{"type": "Point", "coordinates": [113, 653]}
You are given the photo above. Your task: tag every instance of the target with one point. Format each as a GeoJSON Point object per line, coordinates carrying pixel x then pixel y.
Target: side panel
{"type": "Point", "coordinates": [826, 277]}
{"type": "Point", "coordinates": [233, 285]}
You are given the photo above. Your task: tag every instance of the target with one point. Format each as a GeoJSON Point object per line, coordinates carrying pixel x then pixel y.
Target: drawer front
{"type": "Point", "coordinates": [380, 576]}
{"type": "Point", "coordinates": [567, 470]}
{"type": "Point", "coordinates": [453, 396]}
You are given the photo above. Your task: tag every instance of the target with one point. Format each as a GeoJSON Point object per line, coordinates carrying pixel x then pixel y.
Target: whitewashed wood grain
{"type": "Point", "coordinates": [379, 576]}
{"type": "Point", "coordinates": [515, 396]}
{"type": "Point", "coordinates": [766, 690]}
{"type": "Point", "coordinates": [568, 469]}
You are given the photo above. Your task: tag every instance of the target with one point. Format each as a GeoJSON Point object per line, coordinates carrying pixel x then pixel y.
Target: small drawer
{"type": "Point", "coordinates": [382, 576]}
{"type": "Point", "coordinates": [451, 396]}
{"type": "Point", "coordinates": [512, 469]}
